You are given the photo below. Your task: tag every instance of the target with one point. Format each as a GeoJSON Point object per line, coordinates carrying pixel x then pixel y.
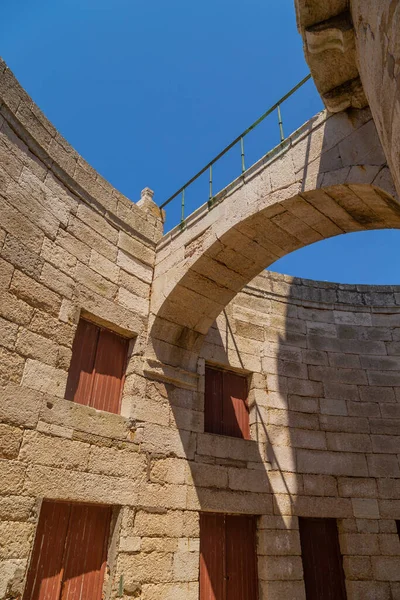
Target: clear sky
{"type": "Point", "coordinates": [148, 91]}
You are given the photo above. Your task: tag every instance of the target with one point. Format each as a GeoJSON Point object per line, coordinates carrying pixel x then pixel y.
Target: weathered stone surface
{"type": "Point", "coordinates": [321, 359]}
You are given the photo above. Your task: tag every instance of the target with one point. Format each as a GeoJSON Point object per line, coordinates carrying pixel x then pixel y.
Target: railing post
{"type": "Point", "coordinates": [242, 153]}
{"type": "Point", "coordinates": [210, 194]}
{"type": "Point", "coordinates": [183, 209]}
{"type": "Point", "coordinates": [280, 123]}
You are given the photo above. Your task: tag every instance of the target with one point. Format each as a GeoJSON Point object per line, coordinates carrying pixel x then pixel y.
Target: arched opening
{"type": "Point", "coordinates": [360, 258]}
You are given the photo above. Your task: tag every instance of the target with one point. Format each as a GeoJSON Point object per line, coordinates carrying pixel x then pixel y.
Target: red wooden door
{"type": "Point", "coordinates": [228, 559]}
{"type": "Point", "coordinates": [98, 362]}
{"type": "Point", "coordinates": [109, 369]}
{"type": "Point", "coordinates": [241, 558]}
{"type": "Point", "coordinates": [45, 571]}
{"type": "Point", "coordinates": [213, 401]}
{"type": "Point", "coordinates": [322, 562]}
{"type": "Point", "coordinates": [225, 403]}
{"type": "Point", "coordinates": [235, 408]}
{"type": "Point", "coordinates": [69, 554]}
{"type": "Point", "coordinates": [80, 374]}
{"type": "Point", "coordinates": [86, 552]}
{"type": "Point", "coordinates": [212, 557]}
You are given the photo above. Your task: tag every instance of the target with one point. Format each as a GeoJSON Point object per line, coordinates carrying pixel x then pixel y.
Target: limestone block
{"type": "Point", "coordinates": [186, 566]}
{"type": "Point", "coordinates": [166, 524]}
{"type": "Point", "coordinates": [168, 496]}
{"type": "Point", "coordinates": [44, 378]}
{"type": "Point", "coordinates": [8, 333]}
{"type": "Point", "coordinates": [357, 567]}
{"type": "Point", "coordinates": [207, 475]}
{"type": "Point", "coordinates": [10, 441]}
{"type": "Point", "coordinates": [280, 568]}
{"type": "Point", "coordinates": [97, 222]}
{"type": "Point", "coordinates": [331, 463]}
{"type": "Point", "coordinates": [225, 447]}
{"type": "Point", "coordinates": [134, 267]}
{"type": "Point", "coordinates": [132, 246]}
{"type": "Point", "coordinates": [386, 568]}
{"type": "Point", "coordinates": [37, 347]}
{"type": "Point", "coordinates": [166, 441]}
{"type": "Point", "coordinates": [383, 464]}
{"type": "Point", "coordinates": [171, 591]}
{"type": "Point", "coordinates": [357, 487]}
{"type": "Point", "coordinates": [54, 452]}
{"type": "Point", "coordinates": [349, 442]}
{"type": "Point", "coordinates": [133, 302]}
{"type": "Point", "coordinates": [368, 590]}
{"type": "Point", "coordinates": [11, 576]}
{"type": "Point", "coordinates": [365, 508]}
{"type": "Point", "coordinates": [85, 419]}
{"type": "Point", "coordinates": [49, 327]}
{"type": "Point", "coordinates": [17, 254]}
{"type": "Point", "coordinates": [34, 293]}
{"type": "Point", "coordinates": [11, 366]}
{"type": "Point", "coordinates": [133, 284]}
{"type": "Point", "coordinates": [59, 257]}
{"type": "Point", "coordinates": [19, 405]}
{"type": "Point", "coordinates": [216, 500]}
{"type": "Point", "coordinates": [130, 544]}
{"type": "Point", "coordinates": [359, 544]}
{"type": "Point", "coordinates": [279, 543]}
{"type": "Point", "coordinates": [389, 544]}
{"type": "Point", "coordinates": [156, 544]}
{"type": "Point", "coordinates": [77, 486]}
{"type": "Point", "coordinates": [104, 267]}
{"type": "Point", "coordinates": [79, 230]}
{"type": "Point", "coordinates": [168, 470]}
{"type": "Point", "coordinates": [15, 539]}
{"type": "Point", "coordinates": [118, 463]}
{"type": "Point", "coordinates": [320, 485]}
{"type": "Point", "coordinates": [73, 246]}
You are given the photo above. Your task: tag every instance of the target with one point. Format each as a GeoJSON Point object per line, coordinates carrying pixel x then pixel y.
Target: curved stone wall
{"type": "Point", "coordinates": [322, 360]}
{"type": "Point", "coordinates": [377, 26]}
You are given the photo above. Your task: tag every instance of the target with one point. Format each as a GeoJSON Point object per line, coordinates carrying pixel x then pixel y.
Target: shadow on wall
{"type": "Point", "coordinates": [309, 352]}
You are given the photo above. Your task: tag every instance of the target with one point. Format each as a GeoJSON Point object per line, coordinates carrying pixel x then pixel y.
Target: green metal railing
{"type": "Point", "coordinates": [239, 139]}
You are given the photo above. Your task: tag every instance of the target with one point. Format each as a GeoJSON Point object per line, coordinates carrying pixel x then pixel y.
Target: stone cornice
{"type": "Point", "coordinates": [330, 51]}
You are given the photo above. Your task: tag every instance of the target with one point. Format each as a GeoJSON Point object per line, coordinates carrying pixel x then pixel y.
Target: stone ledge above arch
{"type": "Point", "coordinates": [329, 178]}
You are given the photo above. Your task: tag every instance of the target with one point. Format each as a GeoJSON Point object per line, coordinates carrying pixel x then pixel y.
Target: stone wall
{"type": "Point", "coordinates": [377, 26]}
{"type": "Point", "coordinates": [322, 362]}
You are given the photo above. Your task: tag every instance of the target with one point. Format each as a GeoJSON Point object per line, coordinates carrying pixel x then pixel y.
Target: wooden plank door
{"type": "Point", "coordinates": [109, 371]}
{"type": "Point", "coordinates": [322, 562]}
{"type": "Point", "coordinates": [241, 558]}
{"type": "Point", "coordinates": [86, 552]}
{"type": "Point", "coordinates": [213, 401]}
{"type": "Point", "coordinates": [80, 374]}
{"type": "Point", "coordinates": [235, 409]}
{"type": "Point", "coordinates": [45, 571]}
{"type": "Point", "coordinates": [70, 551]}
{"type": "Point", "coordinates": [212, 556]}
{"type": "Point", "coordinates": [228, 558]}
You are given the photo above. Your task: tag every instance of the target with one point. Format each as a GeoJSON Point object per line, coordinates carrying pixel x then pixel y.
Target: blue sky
{"type": "Point", "coordinates": [149, 91]}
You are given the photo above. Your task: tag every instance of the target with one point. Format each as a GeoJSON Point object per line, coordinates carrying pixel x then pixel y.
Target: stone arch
{"type": "Point", "coordinates": [313, 188]}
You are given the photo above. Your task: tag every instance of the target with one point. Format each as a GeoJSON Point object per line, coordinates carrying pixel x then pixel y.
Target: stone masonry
{"type": "Point", "coordinates": [322, 359]}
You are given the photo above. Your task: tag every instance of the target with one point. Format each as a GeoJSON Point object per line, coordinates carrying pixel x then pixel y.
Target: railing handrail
{"type": "Point", "coordinates": [238, 139]}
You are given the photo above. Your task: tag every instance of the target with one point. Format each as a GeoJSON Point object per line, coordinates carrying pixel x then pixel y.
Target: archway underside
{"type": "Point", "coordinates": [201, 270]}
{"type": "Point", "coordinates": [249, 247]}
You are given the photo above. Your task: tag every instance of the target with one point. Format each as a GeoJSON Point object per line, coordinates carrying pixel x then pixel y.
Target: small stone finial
{"type": "Point", "coordinates": [147, 194]}
{"type": "Point", "coordinates": [147, 203]}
